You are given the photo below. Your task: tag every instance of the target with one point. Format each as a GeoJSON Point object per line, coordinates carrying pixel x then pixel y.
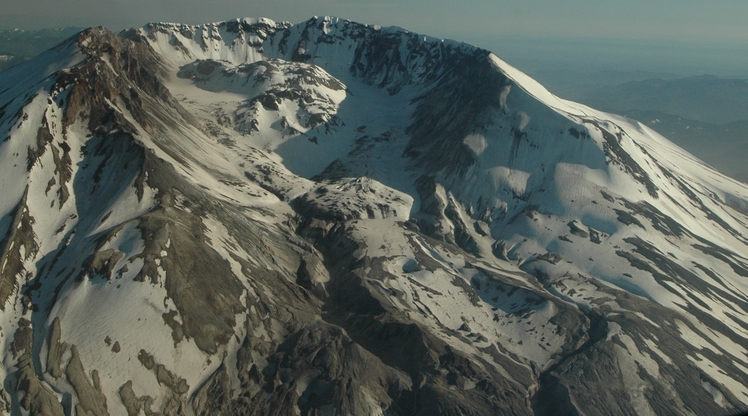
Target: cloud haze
{"type": "Point", "coordinates": [719, 20]}
{"type": "Point", "coordinates": [687, 37]}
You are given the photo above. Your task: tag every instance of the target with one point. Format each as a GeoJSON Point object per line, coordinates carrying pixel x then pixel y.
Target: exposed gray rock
{"type": "Point", "coordinates": [38, 398]}
{"type": "Point", "coordinates": [90, 398]}
{"type": "Point", "coordinates": [56, 350]}
{"type": "Point", "coordinates": [18, 246]}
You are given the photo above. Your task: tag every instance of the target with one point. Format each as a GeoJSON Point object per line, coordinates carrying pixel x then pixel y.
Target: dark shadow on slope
{"type": "Point", "coordinates": [110, 164]}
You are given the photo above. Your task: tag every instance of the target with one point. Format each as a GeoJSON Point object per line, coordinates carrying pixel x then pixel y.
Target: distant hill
{"type": "Point", "coordinates": [566, 82]}
{"type": "Point", "coordinates": [19, 45]}
{"type": "Point", "coordinates": [705, 98]}
{"type": "Point", "coordinates": [720, 145]}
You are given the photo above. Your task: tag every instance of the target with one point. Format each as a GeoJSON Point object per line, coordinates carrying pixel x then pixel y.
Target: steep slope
{"type": "Point", "coordinates": [698, 138]}
{"type": "Point", "coordinates": [330, 217]}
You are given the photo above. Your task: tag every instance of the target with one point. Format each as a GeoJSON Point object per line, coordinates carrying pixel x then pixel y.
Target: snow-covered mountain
{"type": "Point", "coordinates": [252, 217]}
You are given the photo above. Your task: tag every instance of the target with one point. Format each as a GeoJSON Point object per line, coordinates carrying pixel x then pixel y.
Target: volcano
{"type": "Point", "coordinates": [332, 218]}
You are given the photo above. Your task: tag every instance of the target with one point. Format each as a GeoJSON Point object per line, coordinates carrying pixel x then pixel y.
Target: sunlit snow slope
{"type": "Point", "coordinates": [250, 217]}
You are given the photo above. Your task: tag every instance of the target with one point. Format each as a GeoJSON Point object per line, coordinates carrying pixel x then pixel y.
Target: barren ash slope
{"type": "Point", "coordinates": [252, 217]}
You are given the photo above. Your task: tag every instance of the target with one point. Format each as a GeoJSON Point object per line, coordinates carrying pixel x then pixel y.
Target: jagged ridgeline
{"type": "Point", "coordinates": [252, 217]}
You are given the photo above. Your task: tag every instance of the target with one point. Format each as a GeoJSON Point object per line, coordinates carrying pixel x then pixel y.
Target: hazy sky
{"type": "Point", "coordinates": [494, 24]}
{"type": "Point", "coordinates": [717, 20]}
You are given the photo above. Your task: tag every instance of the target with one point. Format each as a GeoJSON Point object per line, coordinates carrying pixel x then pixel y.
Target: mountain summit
{"type": "Point", "coordinates": [330, 218]}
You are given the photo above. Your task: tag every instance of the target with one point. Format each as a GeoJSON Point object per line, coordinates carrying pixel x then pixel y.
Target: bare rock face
{"type": "Point", "coordinates": [252, 217]}
{"type": "Point", "coordinates": [354, 198]}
